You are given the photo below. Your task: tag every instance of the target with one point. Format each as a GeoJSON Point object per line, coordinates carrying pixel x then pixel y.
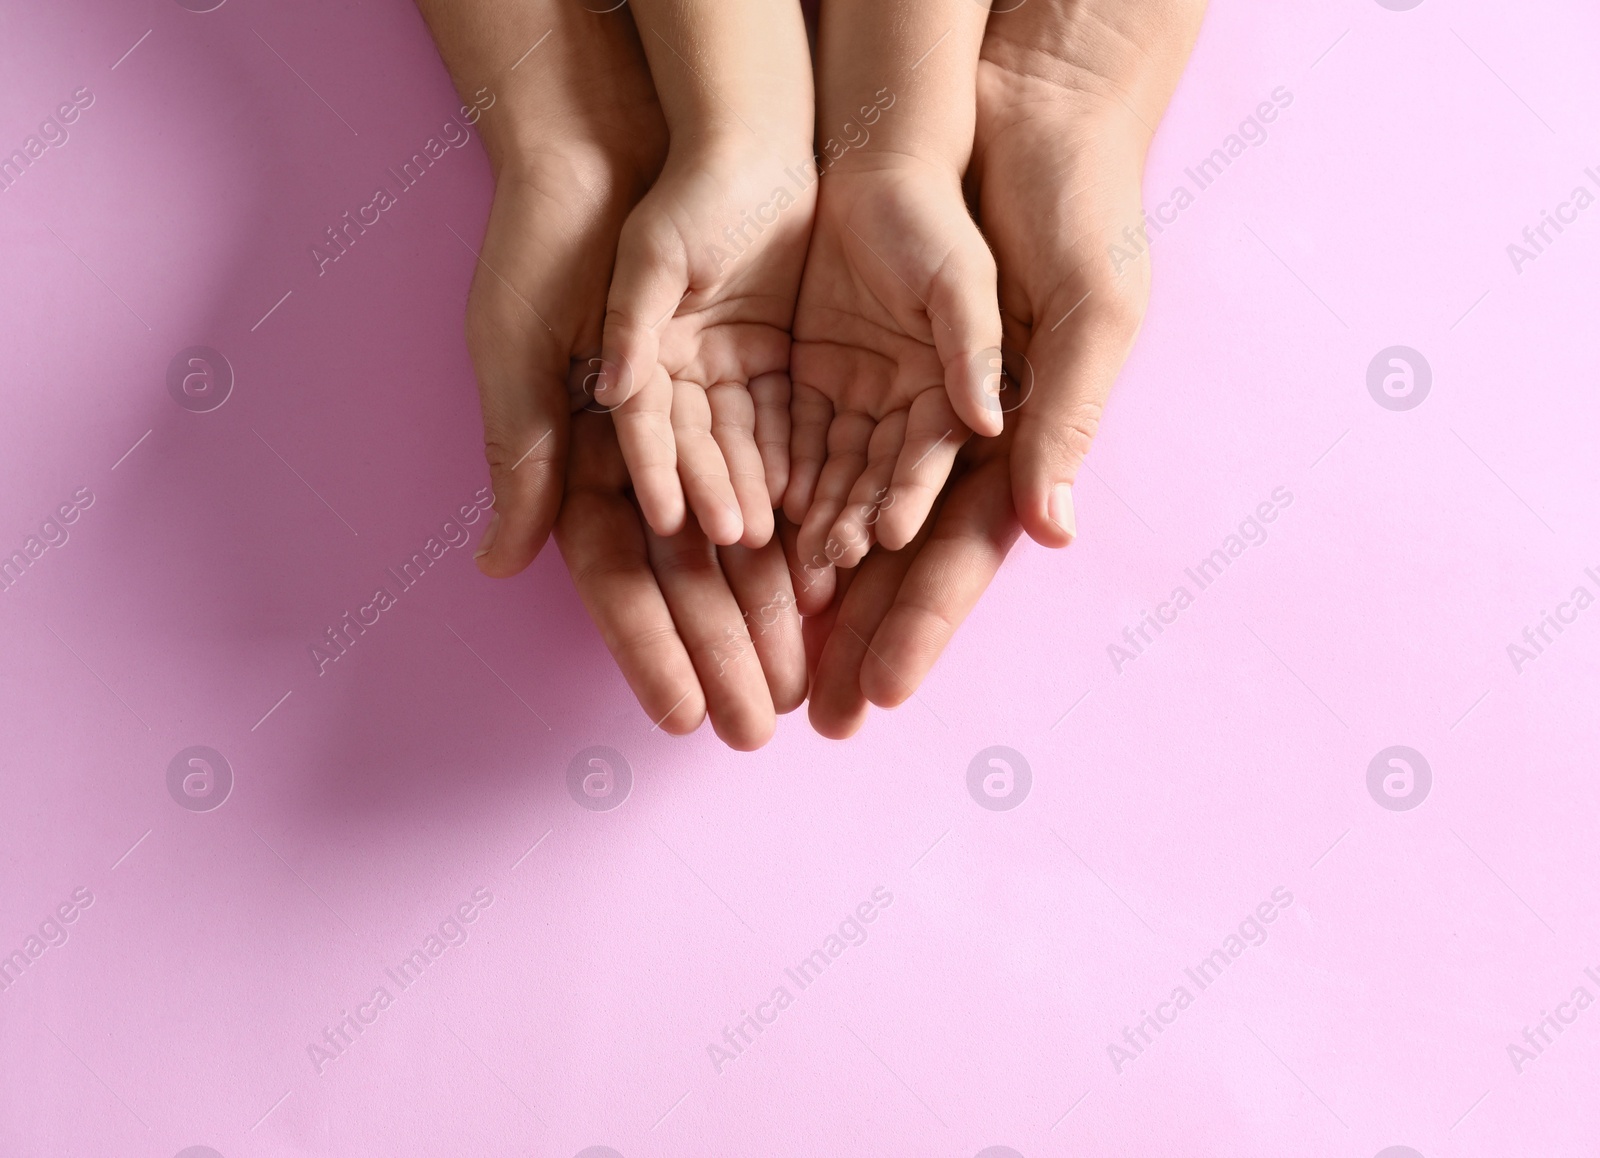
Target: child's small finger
{"type": "Point", "coordinates": [856, 527]}
{"type": "Point", "coordinates": [770, 392]}
{"type": "Point", "coordinates": [702, 467]}
{"type": "Point", "coordinates": [811, 414]}
{"type": "Point", "coordinates": [733, 426]}
{"type": "Point", "coordinates": [644, 431]}
{"type": "Point", "coordinates": [848, 438]}
{"type": "Point", "coordinates": [934, 436]}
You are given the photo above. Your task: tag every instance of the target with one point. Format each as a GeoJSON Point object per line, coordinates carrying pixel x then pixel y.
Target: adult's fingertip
{"type": "Point", "coordinates": [745, 734]}
{"type": "Point", "coordinates": [881, 686]}
{"type": "Point", "coordinates": [1048, 513]}
{"type": "Point", "coordinates": [789, 690]}
{"type": "Point", "coordinates": [835, 722]}
{"type": "Point", "coordinates": [1062, 511]}
{"type": "Point", "coordinates": [486, 544]}
{"type": "Point", "coordinates": [509, 545]}
{"type": "Point", "coordinates": [684, 717]}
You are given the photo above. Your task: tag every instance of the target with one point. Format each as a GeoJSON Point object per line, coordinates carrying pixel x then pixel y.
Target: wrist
{"type": "Point", "coordinates": [898, 77]}
{"type": "Point", "coordinates": [1098, 56]}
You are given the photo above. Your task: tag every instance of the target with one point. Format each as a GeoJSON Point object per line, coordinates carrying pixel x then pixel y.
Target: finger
{"type": "Point", "coordinates": [818, 627]}
{"type": "Point", "coordinates": [644, 431]}
{"type": "Point", "coordinates": [759, 580]}
{"type": "Point", "coordinates": [839, 704]}
{"type": "Point", "coordinates": [934, 436]}
{"type": "Point", "coordinates": [521, 367]}
{"type": "Point", "coordinates": [814, 579]}
{"type": "Point", "coordinates": [856, 525]}
{"type": "Point", "coordinates": [969, 538]}
{"type": "Point", "coordinates": [1073, 368]}
{"type": "Point", "coordinates": [770, 393]}
{"type": "Point", "coordinates": [649, 279]}
{"type": "Point", "coordinates": [966, 331]}
{"type": "Point", "coordinates": [712, 627]}
{"type": "Point", "coordinates": [733, 426]}
{"type": "Point", "coordinates": [701, 466]}
{"type": "Point", "coordinates": [811, 414]}
{"type": "Point", "coordinates": [603, 542]}
{"type": "Point", "coordinates": [849, 436]}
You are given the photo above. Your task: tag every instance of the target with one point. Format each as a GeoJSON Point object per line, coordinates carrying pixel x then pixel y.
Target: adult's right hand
{"type": "Point", "coordinates": [575, 137]}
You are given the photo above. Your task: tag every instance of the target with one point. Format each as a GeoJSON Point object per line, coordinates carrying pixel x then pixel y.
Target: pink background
{"type": "Point", "coordinates": [1226, 761]}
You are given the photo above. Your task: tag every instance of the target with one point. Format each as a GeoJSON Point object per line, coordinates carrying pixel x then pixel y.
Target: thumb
{"type": "Point", "coordinates": [1070, 370]}
{"type": "Point", "coordinates": [524, 436]}
{"type": "Point", "coordinates": [650, 278]}
{"type": "Point", "coordinates": [964, 302]}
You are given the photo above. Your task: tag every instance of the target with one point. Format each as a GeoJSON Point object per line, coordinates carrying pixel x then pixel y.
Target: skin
{"type": "Point", "coordinates": [1055, 177]}
{"type": "Point", "coordinates": [897, 326]}
{"type": "Point", "coordinates": [1067, 93]}
{"type": "Point", "coordinates": [696, 629]}
{"type": "Point", "coordinates": [1068, 96]}
{"type": "Point", "coordinates": [574, 144]}
{"type": "Point", "coordinates": [696, 355]}
{"type": "Point", "coordinates": [574, 137]}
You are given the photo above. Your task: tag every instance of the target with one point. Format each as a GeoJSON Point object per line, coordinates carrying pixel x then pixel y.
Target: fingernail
{"type": "Point", "coordinates": [1062, 513]}
{"type": "Point", "coordinates": [486, 544]}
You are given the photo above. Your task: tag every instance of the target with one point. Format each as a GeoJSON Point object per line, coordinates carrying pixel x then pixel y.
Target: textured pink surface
{"type": "Point", "coordinates": [1223, 766]}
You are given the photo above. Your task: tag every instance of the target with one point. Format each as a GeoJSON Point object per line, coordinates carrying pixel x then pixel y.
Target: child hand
{"type": "Point", "coordinates": [897, 336]}
{"type": "Point", "coordinates": [696, 350]}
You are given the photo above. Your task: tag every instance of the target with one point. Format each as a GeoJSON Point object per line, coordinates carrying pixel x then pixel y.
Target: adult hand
{"type": "Point", "coordinates": [1068, 97]}
{"type": "Point", "coordinates": [873, 634]}
{"type": "Point", "coordinates": [567, 111]}
{"type": "Point", "coordinates": [696, 629]}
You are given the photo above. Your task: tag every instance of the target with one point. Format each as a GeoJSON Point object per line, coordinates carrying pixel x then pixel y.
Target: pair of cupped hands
{"type": "Point", "coordinates": [753, 379]}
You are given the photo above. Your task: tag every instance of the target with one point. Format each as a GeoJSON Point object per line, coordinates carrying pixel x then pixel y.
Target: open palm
{"type": "Point", "coordinates": [895, 334]}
